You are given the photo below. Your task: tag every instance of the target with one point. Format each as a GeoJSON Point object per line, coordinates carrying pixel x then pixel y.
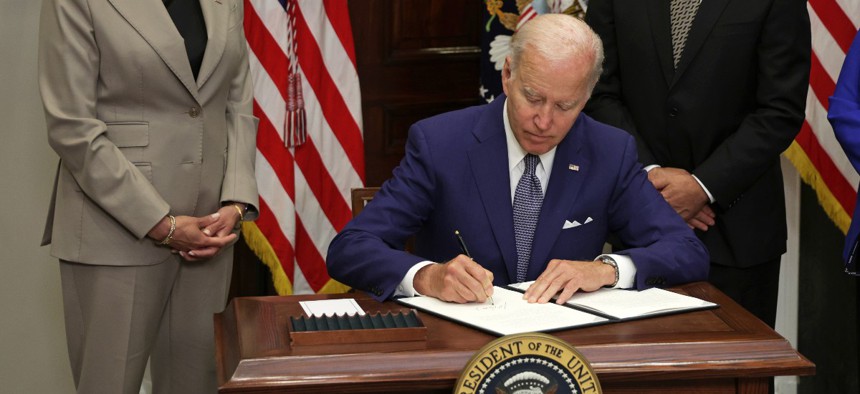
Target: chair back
{"type": "Point", "coordinates": [360, 197]}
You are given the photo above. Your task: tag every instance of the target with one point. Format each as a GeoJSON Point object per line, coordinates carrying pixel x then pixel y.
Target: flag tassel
{"type": "Point", "coordinates": [295, 121]}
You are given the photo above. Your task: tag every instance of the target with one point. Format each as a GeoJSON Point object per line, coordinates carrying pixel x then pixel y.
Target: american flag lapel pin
{"type": "Point", "coordinates": [573, 167]}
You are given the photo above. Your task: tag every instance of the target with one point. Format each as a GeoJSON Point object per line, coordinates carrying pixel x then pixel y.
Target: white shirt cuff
{"type": "Point", "coordinates": [626, 271]}
{"type": "Point", "coordinates": [406, 287]}
{"type": "Point", "coordinates": [651, 167]}
{"type": "Point", "coordinates": [708, 192]}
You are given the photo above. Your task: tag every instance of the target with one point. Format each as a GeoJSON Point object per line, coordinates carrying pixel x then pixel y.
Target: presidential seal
{"type": "Point", "coordinates": [530, 363]}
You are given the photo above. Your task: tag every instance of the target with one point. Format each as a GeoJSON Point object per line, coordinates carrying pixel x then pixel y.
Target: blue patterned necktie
{"type": "Point", "coordinates": [527, 201]}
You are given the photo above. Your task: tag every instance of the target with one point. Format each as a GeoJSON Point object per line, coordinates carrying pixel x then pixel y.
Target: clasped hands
{"type": "Point", "coordinates": [199, 238]}
{"type": "Point", "coordinates": [685, 195]}
{"type": "Point", "coordinates": [463, 280]}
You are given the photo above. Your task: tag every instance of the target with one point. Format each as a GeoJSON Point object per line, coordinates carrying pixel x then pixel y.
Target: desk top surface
{"type": "Point", "coordinates": [253, 347]}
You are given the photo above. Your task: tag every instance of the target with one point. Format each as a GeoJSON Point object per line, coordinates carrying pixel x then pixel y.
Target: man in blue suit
{"type": "Point", "coordinates": [464, 171]}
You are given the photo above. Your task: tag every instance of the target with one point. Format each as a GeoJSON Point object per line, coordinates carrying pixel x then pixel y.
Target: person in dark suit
{"type": "Point", "coordinates": [476, 170]}
{"type": "Point", "coordinates": [713, 91]}
{"type": "Point", "coordinates": [148, 106]}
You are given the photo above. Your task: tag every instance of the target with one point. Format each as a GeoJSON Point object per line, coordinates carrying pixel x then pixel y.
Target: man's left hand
{"type": "Point", "coordinates": [568, 277]}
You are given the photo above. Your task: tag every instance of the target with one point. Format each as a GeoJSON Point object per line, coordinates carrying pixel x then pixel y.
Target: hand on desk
{"type": "Point", "coordinates": [460, 280]}
{"type": "Point", "coordinates": [684, 194]}
{"type": "Point", "coordinates": [568, 277]}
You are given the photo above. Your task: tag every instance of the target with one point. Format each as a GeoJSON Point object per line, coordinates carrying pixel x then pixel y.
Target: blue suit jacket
{"type": "Point", "coordinates": [455, 177]}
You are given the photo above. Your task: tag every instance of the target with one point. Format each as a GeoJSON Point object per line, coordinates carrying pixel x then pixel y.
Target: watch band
{"type": "Point", "coordinates": [610, 261]}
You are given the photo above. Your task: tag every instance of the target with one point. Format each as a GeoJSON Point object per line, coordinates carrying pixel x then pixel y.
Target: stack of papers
{"type": "Point", "coordinates": [511, 314]}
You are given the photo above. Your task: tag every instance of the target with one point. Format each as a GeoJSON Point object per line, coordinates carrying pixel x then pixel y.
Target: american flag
{"type": "Point", "coordinates": [815, 152]}
{"type": "Point", "coordinates": [310, 148]}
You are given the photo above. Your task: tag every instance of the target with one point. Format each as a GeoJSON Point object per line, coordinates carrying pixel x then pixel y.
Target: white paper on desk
{"type": "Point", "coordinates": [510, 313]}
{"type": "Point", "coordinates": [627, 304]}
{"type": "Point", "coordinates": [342, 306]}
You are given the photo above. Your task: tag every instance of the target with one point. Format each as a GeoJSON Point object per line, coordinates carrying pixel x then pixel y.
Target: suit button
{"type": "Point", "coordinates": [194, 112]}
{"type": "Point", "coordinates": [673, 112]}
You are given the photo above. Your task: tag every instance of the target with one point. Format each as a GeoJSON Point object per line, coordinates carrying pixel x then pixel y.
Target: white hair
{"type": "Point", "coordinates": [559, 37]}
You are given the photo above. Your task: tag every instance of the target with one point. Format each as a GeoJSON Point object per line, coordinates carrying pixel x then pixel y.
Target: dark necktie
{"type": "Point", "coordinates": [527, 201]}
{"type": "Point", "coordinates": [683, 12]}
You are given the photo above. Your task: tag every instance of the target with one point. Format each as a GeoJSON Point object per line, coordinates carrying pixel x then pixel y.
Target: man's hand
{"type": "Point", "coordinates": [703, 220]}
{"type": "Point", "coordinates": [460, 280]}
{"type": "Point", "coordinates": [681, 191]}
{"type": "Point", "coordinates": [189, 239]}
{"type": "Point", "coordinates": [568, 277]}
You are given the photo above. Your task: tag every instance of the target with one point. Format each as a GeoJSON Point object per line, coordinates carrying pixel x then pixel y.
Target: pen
{"type": "Point", "coordinates": [466, 252]}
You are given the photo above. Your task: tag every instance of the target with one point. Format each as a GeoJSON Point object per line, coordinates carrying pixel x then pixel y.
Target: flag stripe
{"type": "Point", "coordinates": [839, 187]}
{"type": "Point", "coordinates": [339, 17]}
{"type": "Point", "coordinates": [281, 245]}
{"type": "Point", "coordinates": [309, 259]}
{"type": "Point", "coordinates": [851, 8]}
{"type": "Point", "coordinates": [332, 103]}
{"type": "Point", "coordinates": [267, 51]}
{"type": "Point", "coordinates": [280, 160]}
{"type": "Point", "coordinates": [336, 58]}
{"type": "Point", "coordinates": [830, 55]}
{"type": "Point", "coordinates": [330, 149]}
{"type": "Point", "coordinates": [816, 117]}
{"type": "Point", "coordinates": [838, 24]}
{"type": "Point", "coordinates": [322, 186]}
{"type": "Point", "coordinates": [820, 83]}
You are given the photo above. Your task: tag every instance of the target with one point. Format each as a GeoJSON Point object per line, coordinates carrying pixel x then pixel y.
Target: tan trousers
{"type": "Point", "coordinates": [118, 316]}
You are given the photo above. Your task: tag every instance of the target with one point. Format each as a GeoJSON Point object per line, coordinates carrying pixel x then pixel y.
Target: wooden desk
{"type": "Point", "coordinates": [723, 350]}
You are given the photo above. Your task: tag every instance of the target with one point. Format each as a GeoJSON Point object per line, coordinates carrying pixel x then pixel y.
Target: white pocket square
{"type": "Point", "coordinates": [568, 224]}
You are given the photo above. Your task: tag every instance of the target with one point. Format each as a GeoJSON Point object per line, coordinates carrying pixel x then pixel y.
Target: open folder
{"type": "Point", "coordinates": [511, 314]}
{"type": "Point", "coordinates": [621, 304]}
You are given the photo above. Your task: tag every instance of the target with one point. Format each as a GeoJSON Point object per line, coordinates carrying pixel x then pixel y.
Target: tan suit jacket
{"type": "Point", "coordinates": [138, 137]}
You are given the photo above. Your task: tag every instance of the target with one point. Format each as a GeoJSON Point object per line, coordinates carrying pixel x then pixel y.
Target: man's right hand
{"type": "Point", "coordinates": [686, 196]}
{"type": "Point", "coordinates": [460, 280]}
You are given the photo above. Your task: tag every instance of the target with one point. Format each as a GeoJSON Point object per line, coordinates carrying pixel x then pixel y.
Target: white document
{"type": "Point", "coordinates": [628, 304]}
{"type": "Point", "coordinates": [342, 306]}
{"type": "Point", "coordinates": [509, 313]}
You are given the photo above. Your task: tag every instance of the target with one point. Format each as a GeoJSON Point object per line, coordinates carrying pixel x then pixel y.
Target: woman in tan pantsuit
{"type": "Point", "coordinates": [148, 105]}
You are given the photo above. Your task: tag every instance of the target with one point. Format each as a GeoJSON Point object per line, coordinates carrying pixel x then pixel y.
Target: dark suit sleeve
{"type": "Point", "coordinates": [369, 253]}
{"type": "Point", "coordinates": [665, 251]}
{"type": "Point", "coordinates": [606, 104]}
{"type": "Point", "coordinates": [844, 112]}
{"type": "Point", "coordinates": [780, 96]}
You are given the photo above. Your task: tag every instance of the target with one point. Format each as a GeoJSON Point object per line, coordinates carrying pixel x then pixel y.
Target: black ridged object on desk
{"type": "Point", "coordinates": [355, 322]}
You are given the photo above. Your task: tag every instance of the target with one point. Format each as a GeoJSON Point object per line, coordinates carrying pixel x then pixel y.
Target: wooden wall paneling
{"type": "Point", "coordinates": [415, 59]}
